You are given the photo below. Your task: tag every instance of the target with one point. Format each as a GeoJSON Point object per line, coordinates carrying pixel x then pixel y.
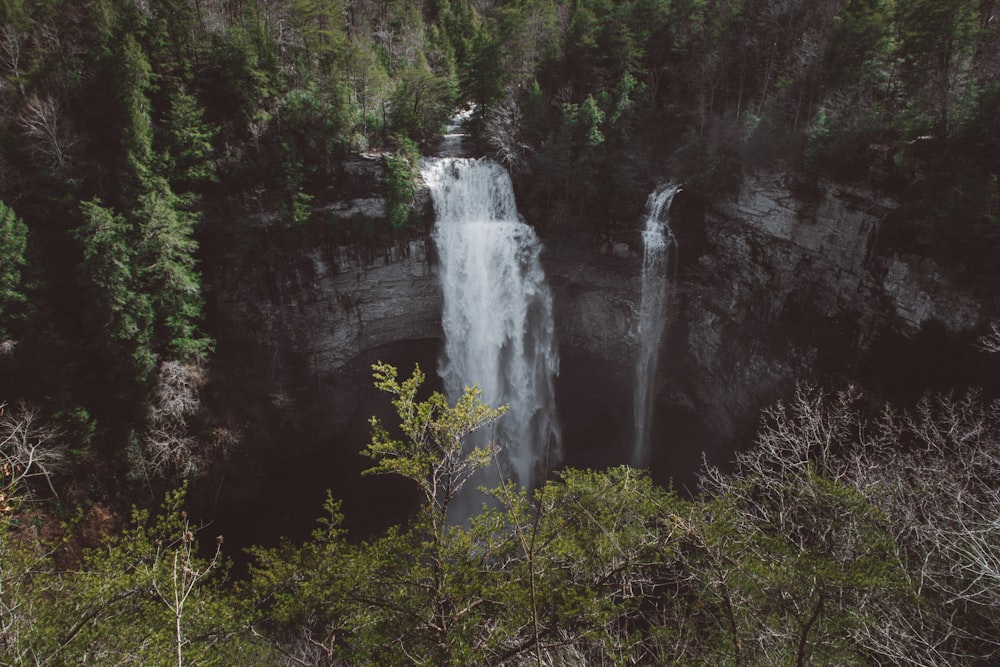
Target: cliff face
{"type": "Point", "coordinates": [774, 285]}
{"type": "Point", "coordinates": [297, 331]}
{"type": "Point", "coordinates": [792, 287]}
{"type": "Point", "coordinates": [323, 308]}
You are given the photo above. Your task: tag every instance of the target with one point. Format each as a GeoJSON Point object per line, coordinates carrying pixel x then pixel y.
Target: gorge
{"type": "Point", "coordinates": [752, 421]}
{"type": "Point", "coordinates": [770, 288]}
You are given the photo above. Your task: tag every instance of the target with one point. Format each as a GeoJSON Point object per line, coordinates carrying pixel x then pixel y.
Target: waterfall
{"type": "Point", "coordinates": [497, 313]}
{"type": "Point", "coordinates": [454, 136]}
{"type": "Point", "coordinates": [658, 241]}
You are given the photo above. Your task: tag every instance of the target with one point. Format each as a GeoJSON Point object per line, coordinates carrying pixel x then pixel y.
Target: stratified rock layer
{"type": "Point", "coordinates": [775, 285]}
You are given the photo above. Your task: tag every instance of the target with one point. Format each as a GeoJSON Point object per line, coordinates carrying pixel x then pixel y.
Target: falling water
{"type": "Point", "coordinates": [497, 315]}
{"type": "Point", "coordinates": [452, 143]}
{"type": "Point", "coordinates": [658, 241]}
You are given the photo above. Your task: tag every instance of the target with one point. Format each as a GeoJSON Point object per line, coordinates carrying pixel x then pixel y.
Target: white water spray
{"type": "Point", "coordinates": [497, 315]}
{"type": "Point", "coordinates": [658, 241]}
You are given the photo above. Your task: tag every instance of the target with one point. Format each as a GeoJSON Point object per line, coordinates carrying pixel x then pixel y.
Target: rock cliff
{"type": "Point", "coordinates": [791, 285]}
{"type": "Point", "coordinates": [322, 308]}
{"type": "Point", "coordinates": [776, 284]}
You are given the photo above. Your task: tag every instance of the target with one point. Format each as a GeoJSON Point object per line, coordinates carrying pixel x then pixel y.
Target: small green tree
{"type": "Point", "coordinates": [132, 81]}
{"type": "Point", "coordinates": [122, 313]}
{"type": "Point", "coordinates": [601, 560]}
{"type": "Point", "coordinates": [308, 593]}
{"type": "Point", "coordinates": [433, 453]}
{"type": "Point", "coordinates": [403, 168]}
{"type": "Point", "coordinates": [437, 584]}
{"type": "Point", "coordinates": [13, 245]}
{"type": "Point", "coordinates": [188, 154]}
{"type": "Point", "coordinates": [144, 597]}
{"type": "Point", "coordinates": [421, 103]}
{"type": "Point", "coordinates": [166, 272]}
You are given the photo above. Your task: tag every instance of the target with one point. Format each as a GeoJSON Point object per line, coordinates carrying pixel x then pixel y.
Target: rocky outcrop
{"type": "Point", "coordinates": [596, 302]}
{"type": "Point", "coordinates": [327, 305]}
{"type": "Point", "coordinates": [920, 293]}
{"type": "Point", "coordinates": [781, 283]}
{"type": "Point", "coordinates": [775, 284]}
{"type": "Point", "coordinates": [791, 286]}
{"type": "Point", "coordinates": [823, 242]}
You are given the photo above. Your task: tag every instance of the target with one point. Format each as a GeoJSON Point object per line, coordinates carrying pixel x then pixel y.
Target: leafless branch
{"type": "Point", "coordinates": [503, 134]}
{"type": "Point", "coordinates": [991, 341]}
{"type": "Point", "coordinates": [42, 121]}
{"type": "Point", "coordinates": [28, 450]}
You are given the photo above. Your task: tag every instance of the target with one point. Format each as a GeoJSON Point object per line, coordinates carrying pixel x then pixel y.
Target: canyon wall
{"type": "Point", "coordinates": [775, 285]}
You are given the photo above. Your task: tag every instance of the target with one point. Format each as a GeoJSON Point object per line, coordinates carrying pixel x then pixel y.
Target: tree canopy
{"type": "Point", "coordinates": [141, 141]}
{"type": "Point", "coordinates": [837, 538]}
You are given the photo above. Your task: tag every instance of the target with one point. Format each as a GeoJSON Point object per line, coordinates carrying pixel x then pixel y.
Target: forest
{"type": "Point", "coordinates": [143, 140]}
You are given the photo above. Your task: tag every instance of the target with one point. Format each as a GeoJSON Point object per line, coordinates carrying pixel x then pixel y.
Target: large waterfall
{"type": "Point", "coordinates": [658, 241]}
{"type": "Point", "coordinates": [497, 315]}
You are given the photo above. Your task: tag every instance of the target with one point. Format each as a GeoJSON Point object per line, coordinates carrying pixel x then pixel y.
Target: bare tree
{"type": "Point", "coordinates": [991, 341]}
{"type": "Point", "coordinates": [176, 573]}
{"type": "Point", "coordinates": [42, 121]}
{"type": "Point", "coordinates": [29, 450]}
{"type": "Point", "coordinates": [503, 134]}
{"type": "Point", "coordinates": [169, 446]}
{"type": "Point", "coordinates": [929, 478]}
{"type": "Point", "coordinates": [11, 52]}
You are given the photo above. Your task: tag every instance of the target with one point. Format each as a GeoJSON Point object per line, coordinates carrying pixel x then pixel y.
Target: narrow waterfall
{"type": "Point", "coordinates": [497, 313]}
{"type": "Point", "coordinates": [452, 143]}
{"type": "Point", "coordinates": [658, 243]}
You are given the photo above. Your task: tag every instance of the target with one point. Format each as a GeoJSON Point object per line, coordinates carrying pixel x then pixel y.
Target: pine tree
{"type": "Point", "coordinates": [13, 245]}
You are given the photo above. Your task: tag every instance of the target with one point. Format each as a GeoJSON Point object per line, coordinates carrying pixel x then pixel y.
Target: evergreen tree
{"type": "Point", "coordinates": [13, 248]}
{"type": "Point", "coordinates": [188, 152]}
{"type": "Point", "coordinates": [122, 314]}
{"type": "Point", "coordinates": [165, 248]}
{"type": "Point", "coordinates": [421, 103]}
{"type": "Point", "coordinates": [133, 74]}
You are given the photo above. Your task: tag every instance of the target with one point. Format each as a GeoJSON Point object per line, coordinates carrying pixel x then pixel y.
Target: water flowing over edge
{"type": "Point", "coordinates": [452, 143]}
{"type": "Point", "coordinates": [497, 312]}
{"type": "Point", "coordinates": [658, 241]}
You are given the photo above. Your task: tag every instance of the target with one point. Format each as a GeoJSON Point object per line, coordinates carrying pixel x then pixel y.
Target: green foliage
{"type": "Point", "coordinates": [861, 39]}
{"type": "Point", "coordinates": [827, 543]}
{"type": "Point", "coordinates": [158, 115]}
{"type": "Point", "coordinates": [933, 40]}
{"type": "Point", "coordinates": [369, 85]}
{"type": "Point", "coordinates": [951, 206]}
{"type": "Point", "coordinates": [402, 172]}
{"type": "Point", "coordinates": [140, 276]}
{"type": "Point", "coordinates": [433, 453]}
{"type": "Point", "coordinates": [484, 79]}
{"type": "Point", "coordinates": [124, 315]}
{"type": "Point", "coordinates": [144, 597]}
{"type": "Point", "coordinates": [571, 153]}
{"type": "Point", "coordinates": [421, 103]}
{"type": "Point", "coordinates": [13, 246]}
{"type": "Point", "coordinates": [604, 549]}
{"type": "Point", "coordinates": [165, 252]}
{"type": "Point", "coordinates": [189, 156]}
{"type": "Point", "coordinates": [311, 126]}
{"type": "Point", "coordinates": [797, 556]}
{"type": "Point", "coordinates": [319, 23]}
{"type": "Point", "coordinates": [133, 80]}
